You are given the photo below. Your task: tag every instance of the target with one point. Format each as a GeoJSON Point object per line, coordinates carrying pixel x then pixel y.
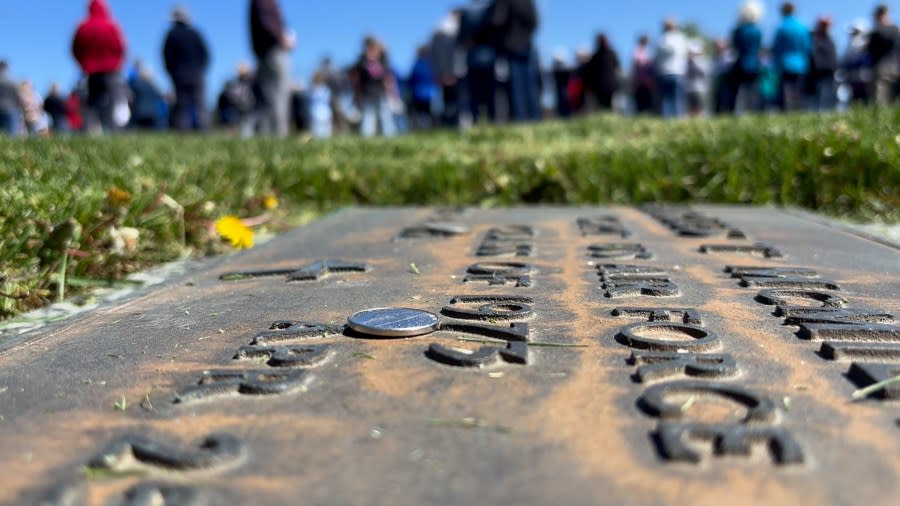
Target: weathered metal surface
{"type": "Point", "coordinates": [718, 353]}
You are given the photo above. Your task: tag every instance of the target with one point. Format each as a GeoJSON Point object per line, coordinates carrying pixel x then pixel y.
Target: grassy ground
{"type": "Point", "coordinates": [79, 212]}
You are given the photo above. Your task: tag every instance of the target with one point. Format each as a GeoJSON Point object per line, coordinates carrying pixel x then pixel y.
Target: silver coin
{"type": "Point", "coordinates": [394, 322]}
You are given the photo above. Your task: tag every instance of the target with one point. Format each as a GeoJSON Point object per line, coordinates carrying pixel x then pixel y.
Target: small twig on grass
{"type": "Point", "coordinates": [61, 280]}
{"type": "Point", "coordinates": [877, 387]}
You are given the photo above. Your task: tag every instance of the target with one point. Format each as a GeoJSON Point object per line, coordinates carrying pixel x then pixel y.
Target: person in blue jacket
{"type": "Point", "coordinates": [423, 89]}
{"type": "Point", "coordinates": [791, 54]}
{"type": "Point", "coordinates": [746, 41]}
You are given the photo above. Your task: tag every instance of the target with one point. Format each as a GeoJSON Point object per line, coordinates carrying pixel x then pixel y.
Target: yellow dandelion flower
{"type": "Point", "coordinates": [270, 202]}
{"type": "Point", "coordinates": [234, 231]}
{"type": "Point", "coordinates": [118, 197]}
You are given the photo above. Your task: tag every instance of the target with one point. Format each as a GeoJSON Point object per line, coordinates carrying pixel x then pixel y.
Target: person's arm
{"type": "Point", "coordinates": [204, 52]}
{"type": "Point", "coordinates": [530, 16]}
{"type": "Point", "coordinates": [778, 48]}
{"type": "Point", "coordinates": [169, 54]}
{"type": "Point", "coordinates": [77, 47]}
{"type": "Point", "coordinates": [120, 46]}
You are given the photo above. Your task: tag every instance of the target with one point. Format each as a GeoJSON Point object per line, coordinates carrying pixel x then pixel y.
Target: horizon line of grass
{"type": "Point", "coordinates": [64, 198]}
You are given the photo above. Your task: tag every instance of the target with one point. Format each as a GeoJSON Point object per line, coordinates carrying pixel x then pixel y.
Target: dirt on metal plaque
{"type": "Point", "coordinates": [572, 356]}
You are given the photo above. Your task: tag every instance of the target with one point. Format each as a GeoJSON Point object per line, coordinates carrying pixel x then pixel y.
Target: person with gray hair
{"type": "Point", "coordinates": [746, 42]}
{"type": "Point", "coordinates": [187, 60]}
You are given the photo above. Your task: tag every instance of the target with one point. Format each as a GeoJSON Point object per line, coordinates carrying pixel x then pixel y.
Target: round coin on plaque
{"type": "Point", "coordinates": [394, 322]}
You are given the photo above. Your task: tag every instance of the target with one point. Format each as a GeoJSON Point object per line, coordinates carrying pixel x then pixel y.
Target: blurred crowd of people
{"type": "Point", "coordinates": [480, 65]}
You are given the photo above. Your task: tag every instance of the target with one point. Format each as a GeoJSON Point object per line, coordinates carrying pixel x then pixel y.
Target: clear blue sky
{"type": "Point", "coordinates": [35, 35]}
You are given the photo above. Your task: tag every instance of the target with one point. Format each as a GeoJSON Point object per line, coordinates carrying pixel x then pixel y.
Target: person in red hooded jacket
{"type": "Point", "coordinates": [99, 48]}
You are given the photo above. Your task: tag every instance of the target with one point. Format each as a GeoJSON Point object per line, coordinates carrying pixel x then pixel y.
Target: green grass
{"type": "Point", "coordinates": [58, 210]}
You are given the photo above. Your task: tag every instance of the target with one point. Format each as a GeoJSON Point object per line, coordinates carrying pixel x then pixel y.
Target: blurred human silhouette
{"type": "Point", "coordinates": [272, 43]}
{"type": "Point", "coordinates": [883, 52]}
{"type": "Point", "coordinates": [511, 24]}
{"type": "Point", "coordinates": [10, 102]}
{"type": "Point", "coordinates": [696, 79]}
{"type": "Point", "coordinates": [99, 48]}
{"type": "Point", "coordinates": [671, 66]}
{"type": "Point", "coordinates": [187, 60]}
{"type": "Point", "coordinates": [643, 77]}
{"type": "Point", "coordinates": [603, 74]}
{"type": "Point", "coordinates": [856, 63]}
{"type": "Point", "coordinates": [320, 111]}
{"type": "Point", "coordinates": [444, 58]}
{"type": "Point", "coordinates": [423, 90]}
{"type": "Point", "coordinates": [339, 85]}
{"type": "Point", "coordinates": [148, 102]}
{"type": "Point", "coordinates": [372, 82]}
{"type": "Point", "coordinates": [36, 121]}
{"type": "Point", "coordinates": [562, 74]}
{"type": "Point", "coordinates": [746, 42]}
{"type": "Point", "coordinates": [237, 102]}
{"type": "Point", "coordinates": [821, 86]}
{"type": "Point", "coordinates": [480, 60]}
{"type": "Point", "coordinates": [791, 54]}
{"type": "Point", "coordinates": [55, 107]}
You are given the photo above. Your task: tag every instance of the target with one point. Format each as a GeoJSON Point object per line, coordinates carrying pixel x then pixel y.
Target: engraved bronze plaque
{"type": "Point", "coordinates": [657, 355]}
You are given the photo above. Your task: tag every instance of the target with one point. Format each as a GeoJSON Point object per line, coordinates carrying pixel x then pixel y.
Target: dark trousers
{"type": "Point", "coordinates": [790, 94]}
{"type": "Point", "coordinates": [524, 96]}
{"type": "Point", "coordinates": [738, 80]}
{"type": "Point", "coordinates": [643, 99]}
{"type": "Point", "coordinates": [189, 111]}
{"type": "Point", "coordinates": [482, 93]}
{"type": "Point", "coordinates": [450, 115]}
{"type": "Point", "coordinates": [101, 102]}
{"type": "Point", "coordinates": [7, 123]}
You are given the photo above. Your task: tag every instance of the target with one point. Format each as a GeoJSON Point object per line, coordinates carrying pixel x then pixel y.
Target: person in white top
{"type": "Point", "coordinates": [671, 66]}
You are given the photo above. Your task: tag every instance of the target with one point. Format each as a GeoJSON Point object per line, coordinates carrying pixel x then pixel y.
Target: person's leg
{"type": "Point", "coordinates": [110, 93]}
{"type": "Point", "coordinates": [483, 91]}
{"type": "Point", "coordinates": [826, 94]}
{"type": "Point", "coordinates": [7, 123]}
{"type": "Point", "coordinates": [369, 111]}
{"type": "Point", "coordinates": [519, 90]}
{"type": "Point", "coordinates": [267, 80]}
{"type": "Point", "coordinates": [532, 90]}
{"type": "Point", "coordinates": [668, 96]}
{"type": "Point", "coordinates": [283, 93]}
{"type": "Point", "coordinates": [450, 116]}
{"type": "Point", "coordinates": [92, 122]}
{"type": "Point", "coordinates": [198, 98]}
{"type": "Point", "coordinates": [386, 118]}
{"type": "Point", "coordinates": [793, 91]}
{"type": "Point", "coordinates": [181, 110]}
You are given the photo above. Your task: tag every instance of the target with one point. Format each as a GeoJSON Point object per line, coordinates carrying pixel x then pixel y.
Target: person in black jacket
{"type": "Point", "coordinates": [822, 87]}
{"type": "Point", "coordinates": [187, 60]}
{"type": "Point", "coordinates": [511, 25]}
{"type": "Point", "coordinates": [603, 74]}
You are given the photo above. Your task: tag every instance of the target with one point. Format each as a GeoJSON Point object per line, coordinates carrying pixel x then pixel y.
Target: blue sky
{"type": "Point", "coordinates": [35, 35]}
